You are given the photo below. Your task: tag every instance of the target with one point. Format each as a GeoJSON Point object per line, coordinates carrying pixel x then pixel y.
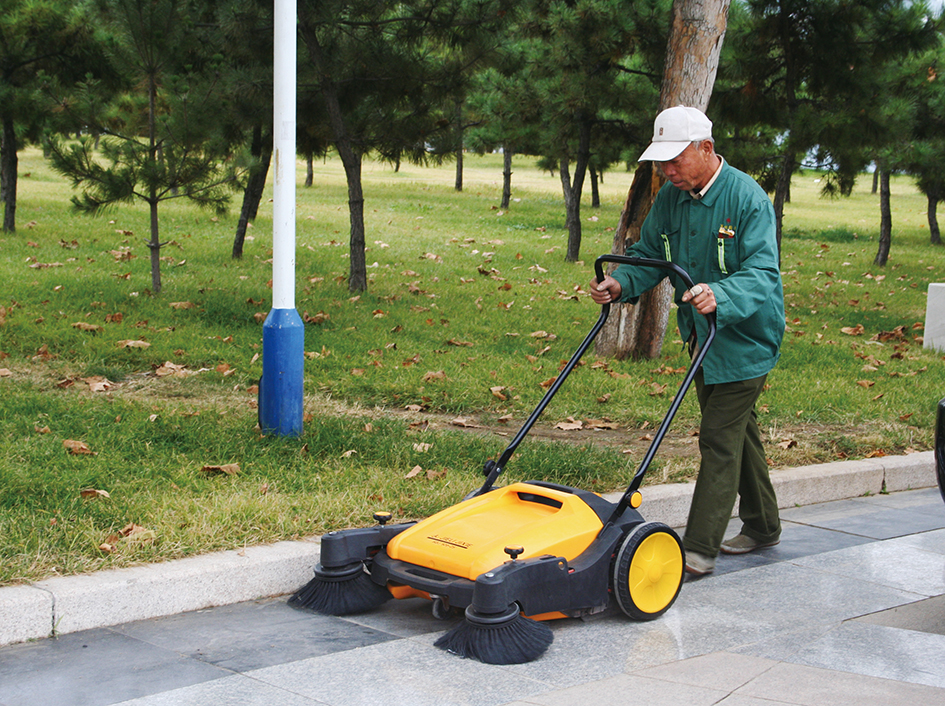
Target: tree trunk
{"type": "Point", "coordinates": [459, 146]}
{"type": "Point", "coordinates": [155, 246]}
{"type": "Point", "coordinates": [506, 176]}
{"type": "Point", "coordinates": [875, 180]}
{"type": "Point", "coordinates": [309, 170]}
{"type": "Point", "coordinates": [934, 233]}
{"type": "Point", "coordinates": [782, 191]}
{"type": "Point", "coordinates": [595, 190]}
{"type": "Point", "coordinates": [885, 224]}
{"type": "Point", "coordinates": [350, 158]}
{"type": "Point", "coordinates": [692, 60]}
{"type": "Point", "coordinates": [8, 167]}
{"type": "Point", "coordinates": [261, 149]}
{"type": "Point", "coordinates": [574, 189]}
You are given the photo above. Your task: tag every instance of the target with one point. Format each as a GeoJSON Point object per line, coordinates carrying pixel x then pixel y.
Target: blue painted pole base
{"type": "Point", "coordinates": [281, 385]}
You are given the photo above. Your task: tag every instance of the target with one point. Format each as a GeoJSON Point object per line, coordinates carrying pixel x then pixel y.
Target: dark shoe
{"type": "Point", "coordinates": [742, 544]}
{"type": "Point", "coordinates": [699, 564]}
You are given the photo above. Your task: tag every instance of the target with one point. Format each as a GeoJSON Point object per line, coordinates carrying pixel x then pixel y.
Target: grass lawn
{"type": "Point", "coordinates": [129, 428]}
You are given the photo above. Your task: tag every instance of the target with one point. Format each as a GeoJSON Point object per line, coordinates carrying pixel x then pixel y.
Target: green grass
{"type": "Point", "coordinates": [457, 291]}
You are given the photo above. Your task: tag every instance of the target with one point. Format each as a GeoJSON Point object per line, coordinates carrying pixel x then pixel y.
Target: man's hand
{"type": "Point", "coordinates": [605, 292]}
{"type": "Point", "coordinates": [702, 298]}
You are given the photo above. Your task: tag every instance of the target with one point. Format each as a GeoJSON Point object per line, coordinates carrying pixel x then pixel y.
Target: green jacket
{"type": "Point", "coordinates": [727, 240]}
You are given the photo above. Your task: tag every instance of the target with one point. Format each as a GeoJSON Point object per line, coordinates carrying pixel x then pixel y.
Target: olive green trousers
{"type": "Point", "coordinates": [733, 465]}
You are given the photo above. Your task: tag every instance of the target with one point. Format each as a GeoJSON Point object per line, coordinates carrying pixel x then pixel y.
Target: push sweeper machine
{"type": "Point", "coordinates": [514, 556]}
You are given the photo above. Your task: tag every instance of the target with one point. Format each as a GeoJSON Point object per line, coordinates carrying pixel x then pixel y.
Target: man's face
{"type": "Point", "coordinates": [692, 169]}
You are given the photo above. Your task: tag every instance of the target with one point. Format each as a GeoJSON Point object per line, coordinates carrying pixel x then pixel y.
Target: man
{"type": "Point", "coordinates": [716, 223]}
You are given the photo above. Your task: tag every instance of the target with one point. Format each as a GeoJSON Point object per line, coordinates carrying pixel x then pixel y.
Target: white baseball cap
{"type": "Point", "coordinates": [673, 131]}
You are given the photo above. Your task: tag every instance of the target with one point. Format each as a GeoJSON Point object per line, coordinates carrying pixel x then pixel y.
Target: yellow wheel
{"type": "Point", "coordinates": [648, 571]}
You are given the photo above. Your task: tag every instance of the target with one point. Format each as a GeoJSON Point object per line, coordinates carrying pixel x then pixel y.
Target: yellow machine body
{"type": "Point", "coordinates": [470, 538]}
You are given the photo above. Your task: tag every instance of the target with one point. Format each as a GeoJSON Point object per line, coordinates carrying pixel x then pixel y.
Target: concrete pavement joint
{"type": "Point", "coordinates": [68, 604]}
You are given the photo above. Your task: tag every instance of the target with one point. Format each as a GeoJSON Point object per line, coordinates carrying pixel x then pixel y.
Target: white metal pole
{"type": "Point", "coordinates": [281, 385]}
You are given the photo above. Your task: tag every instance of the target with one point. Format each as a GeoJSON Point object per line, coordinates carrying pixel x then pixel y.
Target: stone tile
{"type": "Point", "coordinates": [408, 672]}
{"type": "Point", "coordinates": [627, 689]}
{"type": "Point", "coordinates": [865, 519]}
{"type": "Point", "coordinates": [882, 652]}
{"type": "Point", "coordinates": [923, 616]}
{"type": "Point", "coordinates": [809, 686]}
{"type": "Point", "coordinates": [894, 563]}
{"type": "Point", "coordinates": [229, 691]}
{"type": "Point", "coordinates": [409, 617]}
{"type": "Point", "coordinates": [93, 668]}
{"type": "Point", "coordinates": [763, 601]}
{"type": "Point", "coordinates": [248, 636]}
{"type": "Point", "coordinates": [724, 671]}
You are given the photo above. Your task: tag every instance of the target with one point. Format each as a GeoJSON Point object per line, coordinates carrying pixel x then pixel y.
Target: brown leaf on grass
{"type": "Point", "coordinates": [319, 318]}
{"type": "Point", "coordinates": [133, 344]}
{"type": "Point", "coordinates": [229, 469]}
{"type": "Point", "coordinates": [433, 475]}
{"type": "Point", "coordinates": [865, 383]}
{"type": "Point", "coordinates": [97, 383]}
{"type": "Point", "coordinates": [6, 373]}
{"type": "Point", "coordinates": [414, 472]}
{"type": "Point", "coordinates": [505, 419]}
{"type": "Point", "coordinates": [422, 447]}
{"type": "Point", "coordinates": [602, 424]}
{"type": "Point", "coordinates": [349, 453]}
{"type": "Point", "coordinates": [905, 417]}
{"type": "Point", "coordinates": [93, 493]}
{"type": "Point", "coordinates": [115, 318]}
{"type": "Point", "coordinates": [458, 343]}
{"type": "Point", "coordinates": [434, 375]}
{"type": "Point", "coordinates": [78, 448]}
{"type": "Point", "coordinates": [878, 453]}
{"type": "Point", "coordinates": [549, 382]}
{"type": "Point", "coordinates": [857, 330]}
{"type": "Point", "coordinates": [172, 369]}
{"type": "Point", "coordinates": [571, 425]}
{"type": "Point", "coordinates": [787, 444]}
{"type": "Point", "coordinates": [225, 369]}
{"type": "Point", "coordinates": [463, 422]}
{"type": "Point", "coordinates": [657, 389]}
{"type": "Point", "coordinates": [136, 534]}
{"type": "Point", "coordinates": [897, 334]}
{"type": "Point", "coordinates": [603, 399]}
{"type": "Point", "coordinates": [357, 372]}
{"type": "Point", "coordinates": [498, 392]}
{"type": "Point", "coordinates": [182, 305]}
{"type": "Point", "coordinates": [42, 430]}
{"type": "Point", "coordinates": [83, 326]}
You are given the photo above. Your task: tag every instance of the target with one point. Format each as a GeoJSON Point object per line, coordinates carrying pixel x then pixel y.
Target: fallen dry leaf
{"type": "Point", "coordinates": [414, 472]}
{"type": "Point", "coordinates": [497, 392]}
{"type": "Point", "coordinates": [857, 330]}
{"type": "Point", "coordinates": [787, 444]}
{"type": "Point", "coordinates": [133, 344]}
{"type": "Point", "coordinates": [463, 422]}
{"type": "Point", "coordinates": [422, 447]}
{"type": "Point", "coordinates": [5, 373]}
{"type": "Point", "coordinates": [229, 469]}
{"type": "Point", "coordinates": [83, 326]}
{"type": "Point", "coordinates": [570, 425]}
{"type": "Point", "coordinates": [182, 305]}
{"type": "Point", "coordinates": [92, 493]}
{"type": "Point", "coordinates": [349, 453]}
{"type": "Point", "coordinates": [78, 448]}
{"type": "Point", "coordinates": [435, 375]}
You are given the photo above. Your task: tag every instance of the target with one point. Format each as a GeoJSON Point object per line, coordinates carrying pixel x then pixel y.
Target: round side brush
{"type": "Point", "coordinates": [503, 638]}
{"type": "Point", "coordinates": [342, 591]}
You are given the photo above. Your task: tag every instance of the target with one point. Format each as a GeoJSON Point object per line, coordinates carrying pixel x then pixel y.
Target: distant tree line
{"type": "Point", "coordinates": [152, 100]}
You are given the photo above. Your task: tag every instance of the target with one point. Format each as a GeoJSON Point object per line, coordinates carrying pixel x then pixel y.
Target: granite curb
{"type": "Point", "coordinates": [68, 604]}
